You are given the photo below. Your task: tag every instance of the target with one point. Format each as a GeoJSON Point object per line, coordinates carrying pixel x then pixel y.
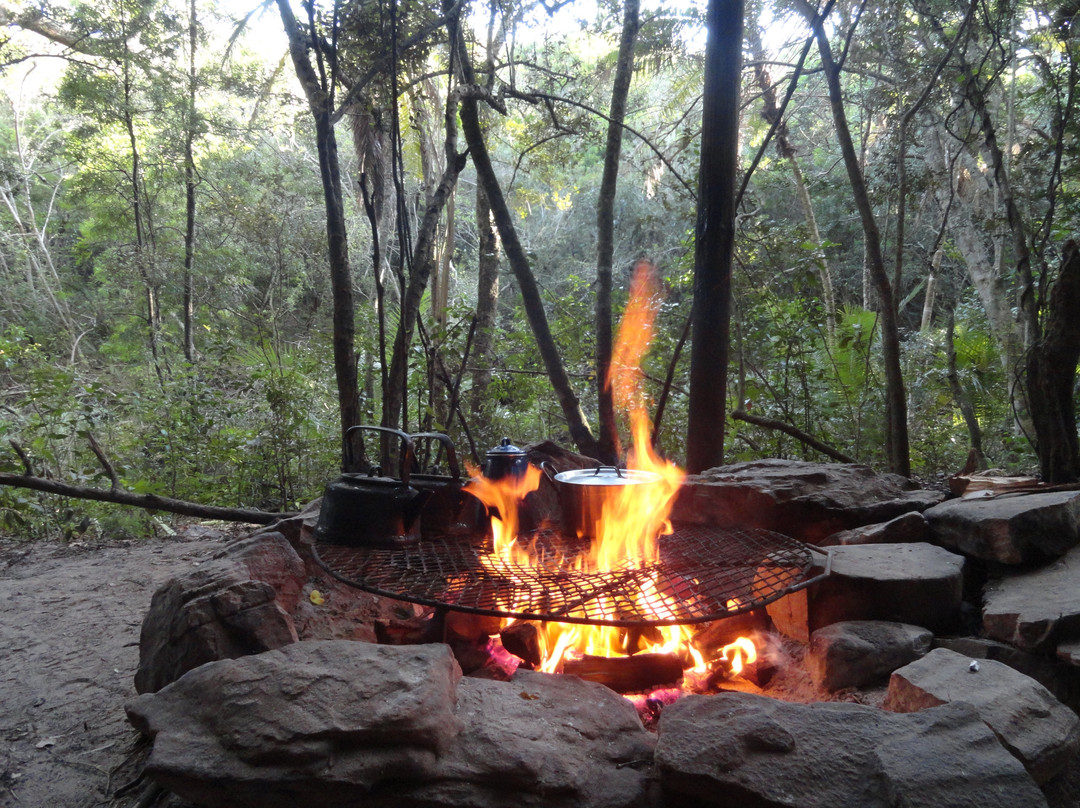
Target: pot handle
{"type": "Point", "coordinates": [406, 460]}
{"type": "Point", "coordinates": [549, 471]}
{"type": "Point", "coordinates": [618, 471]}
{"type": "Point", "coordinates": [451, 453]}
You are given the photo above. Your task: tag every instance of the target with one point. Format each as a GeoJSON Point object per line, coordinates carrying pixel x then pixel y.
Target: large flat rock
{"type": "Point", "coordinates": [1034, 726]}
{"type": "Point", "coordinates": [737, 749]}
{"type": "Point", "coordinates": [1034, 610]}
{"type": "Point", "coordinates": [916, 583]}
{"type": "Point", "coordinates": [338, 724]}
{"type": "Point", "coordinates": [808, 501]}
{"type": "Point", "coordinates": [1009, 529]}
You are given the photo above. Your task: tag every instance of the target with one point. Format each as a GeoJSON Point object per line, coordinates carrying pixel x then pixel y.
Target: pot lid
{"type": "Point", "coordinates": [607, 475]}
{"type": "Point", "coordinates": [506, 449]}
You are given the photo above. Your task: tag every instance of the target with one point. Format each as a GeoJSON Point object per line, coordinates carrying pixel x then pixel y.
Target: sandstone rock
{"type": "Point", "coordinates": [915, 583]}
{"type": "Point", "coordinates": [1035, 609]}
{"type": "Point", "coordinates": [1061, 680]}
{"type": "Point", "coordinates": [860, 652]}
{"type": "Point", "coordinates": [1039, 730]}
{"type": "Point", "coordinates": [746, 750]}
{"type": "Point", "coordinates": [1014, 529]}
{"type": "Point", "coordinates": [1069, 653]}
{"type": "Point", "coordinates": [808, 501]}
{"type": "Point", "coordinates": [235, 605]}
{"type": "Point", "coordinates": [910, 527]}
{"type": "Point", "coordinates": [336, 724]}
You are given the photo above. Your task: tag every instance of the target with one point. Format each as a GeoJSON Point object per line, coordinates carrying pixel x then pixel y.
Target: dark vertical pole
{"type": "Point", "coordinates": [715, 235]}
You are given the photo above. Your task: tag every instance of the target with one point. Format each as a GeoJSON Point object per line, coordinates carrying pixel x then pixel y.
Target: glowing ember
{"type": "Point", "coordinates": [632, 519]}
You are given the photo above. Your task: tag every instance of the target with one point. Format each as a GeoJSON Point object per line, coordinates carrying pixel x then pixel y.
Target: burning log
{"type": "Point", "coordinates": [522, 639]}
{"type": "Point", "coordinates": [627, 674]}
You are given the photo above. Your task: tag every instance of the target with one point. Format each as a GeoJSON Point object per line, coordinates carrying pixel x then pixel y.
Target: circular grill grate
{"type": "Point", "coordinates": [702, 574]}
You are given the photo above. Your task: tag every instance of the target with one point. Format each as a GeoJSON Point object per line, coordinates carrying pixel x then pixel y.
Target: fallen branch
{"type": "Point", "coordinates": [798, 434]}
{"type": "Point", "coordinates": [150, 502]}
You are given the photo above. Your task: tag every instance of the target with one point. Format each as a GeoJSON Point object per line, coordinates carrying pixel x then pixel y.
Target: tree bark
{"type": "Point", "coordinates": [576, 422]}
{"type": "Point", "coordinates": [960, 396]}
{"type": "Point", "coordinates": [1051, 374]}
{"type": "Point", "coordinates": [487, 301]}
{"type": "Point", "coordinates": [319, 93]}
{"type": "Point", "coordinates": [150, 502]}
{"type": "Point", "coordinates": [608, 439]}
{"type": "Point", "coordinates": [189, 186]}
{"type": "Point", "coordinates": [788, 152]}
{"type": "Point", "coordinates": [896, 430]}
{"type": "Point", "coordinates": [715, 235]}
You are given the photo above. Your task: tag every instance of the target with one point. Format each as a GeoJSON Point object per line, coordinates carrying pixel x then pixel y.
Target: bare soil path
{"type": "Point", "coordinates": [70, 615]}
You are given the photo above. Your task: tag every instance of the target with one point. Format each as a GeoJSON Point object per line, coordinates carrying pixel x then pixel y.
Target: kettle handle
{"type": "Point", "coordinates": [451, 453]}
{"type": "Point", "coordinates": [405, 461]}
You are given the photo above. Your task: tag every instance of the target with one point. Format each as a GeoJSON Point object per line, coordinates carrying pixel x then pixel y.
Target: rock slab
{"type": "Point", "coordinates": [1012, 529]}
{"type": "Point", "coordinates": [1041, 732]}
{"type": "Point", "coordinates": [919, 584]}
{"type": "Point", "coordinates": [1036, 609]}
{"type": "Point", "coordinates": [754, 752]}
{"type": "Point", "coordinates": [860, 652]}
{"type": "Point", "coordinates": [807, 501]}
{"type": "Point", "coordinates": [339, 723]}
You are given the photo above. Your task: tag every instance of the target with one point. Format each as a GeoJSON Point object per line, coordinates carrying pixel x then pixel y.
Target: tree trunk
{"type": "Point", "coordinates": [960, 396]}
{"type": "Point", "coordinates": [487, 301]}
{"type": "Point", "coordinates": [189, 185]}
{"type": "Point", "coordinates": [896, 431]}
{"type": "Point", "coordinates": [715, 235]}
{"type": "Point", "coordinates": [320, 102]}
{"type": "Point", "coordinates": [608, 440]}
{"type": "Point", "coordinates": [578, 426]}
{"type": "Point", "coordinates": [1051, 374]}
{"type": "Point", "coordinates": [788, 152]}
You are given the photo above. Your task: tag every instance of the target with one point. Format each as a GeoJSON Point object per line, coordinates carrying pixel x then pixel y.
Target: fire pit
{"type": "Point", "coordinates": [703, 574]}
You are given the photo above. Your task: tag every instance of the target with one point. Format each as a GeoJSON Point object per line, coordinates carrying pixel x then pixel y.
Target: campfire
{"type": "Point", "coordinates": [621, 514]}
{"type": "Point", "coordinates": [614, 591]}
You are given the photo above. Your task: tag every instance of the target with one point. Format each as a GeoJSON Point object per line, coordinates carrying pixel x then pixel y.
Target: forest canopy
{"type": "Point", "coordinates": [231, 231]}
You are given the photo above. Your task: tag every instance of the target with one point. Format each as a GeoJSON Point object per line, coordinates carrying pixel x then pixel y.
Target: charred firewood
{"type": "Point", "coordinates": [522, 639]}
{"type": "Point", "coordinates": [627, 674]}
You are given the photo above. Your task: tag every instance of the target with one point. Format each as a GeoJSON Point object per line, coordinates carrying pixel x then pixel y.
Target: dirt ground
{"type": "Point", "coordinates": [70, 615]}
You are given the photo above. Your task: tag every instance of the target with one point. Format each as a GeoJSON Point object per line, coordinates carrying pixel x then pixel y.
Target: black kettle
{"type": "Point", "coordinates": [372, 510]}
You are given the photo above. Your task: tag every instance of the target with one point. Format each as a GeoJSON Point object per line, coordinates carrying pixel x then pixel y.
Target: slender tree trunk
{"type": "Point", "coordinates": [715, 235]}
{"type": "Point", "coordinates": [576, 422]}
{"type": "Point", "coordinates": [608, 439]}
{"type": "Point", "coordinates": [960, 396]}
{"type": "Point", "coordinates": [1051, 375]}
{"type": "Point", "coordinates": [788, 152]}
{"type": "Point", "coordinates": [319, 95]}
{"type": "Point", "coordinates": [487, 301]}
{"type": "Point", "coordinates": [896, 431]}
{"type": "Point", "coordinates": [189, 184]}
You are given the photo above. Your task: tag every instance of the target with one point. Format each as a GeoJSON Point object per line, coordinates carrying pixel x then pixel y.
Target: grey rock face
{"type": "Point", "coordinates": [919, 584]}
{"type": "Point", "coordinates": [1009, 529]}
{"type": "Point", "coordinates": [808, 501]}
{"type": "Point", "coordinates": [1034, 726]}
{"type": "Point", "coordinates": [910, 527]}
{"type": "Point", "coordinates": [340, 723]}
{"type": "Point", "coordinates": [860, 652]}
{"type": "Point", "coordinates": [238, 604]}
{"type": "Point", "coordinates": [1033, 610]}
{"type": "Point", "coordinates": [745, 750]}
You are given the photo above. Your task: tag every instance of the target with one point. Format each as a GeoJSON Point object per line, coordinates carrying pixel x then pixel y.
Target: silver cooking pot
{"type": "Point", "coordinates": [584, 493]}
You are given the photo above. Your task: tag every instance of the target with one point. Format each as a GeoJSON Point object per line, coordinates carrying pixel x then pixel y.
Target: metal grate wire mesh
{"type": "Point", "coordinates": [703, 574]}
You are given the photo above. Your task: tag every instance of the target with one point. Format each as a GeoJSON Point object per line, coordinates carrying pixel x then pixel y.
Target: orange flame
{"type": "Point", "coordinates": [742, 653]}
{"type": "Point", "coordinates": [632, 520]}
